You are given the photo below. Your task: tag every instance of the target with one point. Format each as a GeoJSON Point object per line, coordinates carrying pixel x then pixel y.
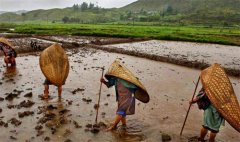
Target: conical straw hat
{"type": "Point", "coordinates": [120, 71]}
{"type": "Point", "coordinates": [54, 64]}
{"type": "Point", "coordinates": [5, 41]}
{"type": "Point", "coordinates": [221, 94]}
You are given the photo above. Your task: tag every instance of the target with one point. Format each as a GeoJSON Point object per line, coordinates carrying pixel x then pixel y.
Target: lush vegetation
{"type": "Point", "coordinates": [175, 12]}
{"type": "Point", "coordinates": [184, 33]}
{"type": "Point", "coordinates": [214, 21]}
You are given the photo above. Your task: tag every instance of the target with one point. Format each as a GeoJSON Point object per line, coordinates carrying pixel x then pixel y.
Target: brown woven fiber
{"type": "Point", "coordinates": [120, 71]}
{"type": "Point", "coordinates": [4, 40]}
{"type": "Point", "coordinates": [54, 64]}
{"type": "Point", "coordinates": [221, 94]}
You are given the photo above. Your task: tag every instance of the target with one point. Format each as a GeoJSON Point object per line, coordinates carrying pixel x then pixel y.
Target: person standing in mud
{"type": "Point", "coordinates": [126, 84]}
{"type": "Point", "coordinates": [212, 119]}
{"type": "Point", "coordinates": [46, 89]}
{"type": "Point", "coordinates": [54, 65]}
{"type": "Point", "coordinates": [124, 91]}
{"type": "Point", "coordinates": [9, 53]}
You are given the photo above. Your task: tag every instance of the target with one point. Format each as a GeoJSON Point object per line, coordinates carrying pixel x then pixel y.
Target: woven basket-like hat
{"type": "Point", "coordinates": [221, 94]}
{"type": "Point", "coordinates": [5, 41]}
{"type": "Point", "coordinates": [54, 64]}
{"type": "Point", "coordinates": [120, 71]}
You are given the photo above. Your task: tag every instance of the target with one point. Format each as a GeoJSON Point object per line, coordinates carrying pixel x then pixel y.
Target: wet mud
{"type": "Point", "coordinates": [194, 55]}
{"type": "Point", "coordinates": [26, 117]}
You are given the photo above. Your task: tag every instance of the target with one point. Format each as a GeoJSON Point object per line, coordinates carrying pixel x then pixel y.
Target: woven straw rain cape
{"type": "Point", "coordinates": [5, 41]}
{"type": "Point", "coordinates": [221, 94]}
{"type": "Point", "coordinates": [120, 71]}
{"type": "Point", "coordinates": [54, 64]}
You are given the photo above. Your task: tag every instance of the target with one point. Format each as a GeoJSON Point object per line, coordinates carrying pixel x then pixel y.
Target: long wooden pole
{"type": "Point", "coordinates": [99, 97]}
{"type": "Point", "coordinates": [189, 106]}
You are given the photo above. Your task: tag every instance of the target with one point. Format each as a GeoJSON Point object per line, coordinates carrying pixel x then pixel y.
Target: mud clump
{"type": "Point", "coordinates": [1, 99]}
{"type": "Point", "coordinates": [26, 104]}
{"type": "Point", "coordinates": [96, 106]}
{"type": "Point", "coordinates": [13, 138]}
{"type": "Point", "coordinates": [51, 107]}
{"type": "Point", "coordinates": [63, 120]}
{"type": "Point", "coordinates": [193, 139]}
{"type": "Point", "coordinates": [76, 125]}
{"type": "Point", "coordinates": [15, 122]}
{"type": "Point", "coordinates": [2, 123]}
{"type": "Point", "coordinates": [28, 95]}
{"type": "Point", "coordinates": [77, 90]}
{"type": "Point", "coordinates": [47, 139]}
{"type": "Point", "coordinates": [38, 127]}
{"type": "Point", "coordinates": [95, 128]}
{"type": "Point", "coordinates": [25, 113]}
{"type": "Point", "coordinates": [39, 133]}
{"type": "Point", "coordinates": [61, 112]}
{"type": "Point", "coordinates": [67, 132]}
{"type": "Point", "coordinates": [11, 96]}
{"type": "Point", "coordinates": [87, 100]}
{"type": "Point", "coordinates": [166, 137]}
{"type": "Point", "coordinates": [11, 106]}
{"type": "Point", "coordinates": [68, 140]}
{"type": "Point", "coordinates": [69, 102]}
{"type": "Point", "coordinates": [47, 117]}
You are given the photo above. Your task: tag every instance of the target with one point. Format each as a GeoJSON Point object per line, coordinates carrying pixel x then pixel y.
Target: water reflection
{"type": "Point", "coordinates": [129, 134]}
{"type": "Point", "coordinates": [10, 71]}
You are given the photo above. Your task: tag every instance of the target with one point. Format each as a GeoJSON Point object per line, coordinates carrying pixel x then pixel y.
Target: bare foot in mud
{"type": "Point", "coordinates": [44, 97]}
{"type": "Point", "coordinates": [111, 128]}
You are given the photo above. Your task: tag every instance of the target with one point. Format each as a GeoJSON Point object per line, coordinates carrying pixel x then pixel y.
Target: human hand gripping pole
{"type": "Point", "coordinates": [190, 106]}
{"type": "Point", "coordinates": [99, 96]}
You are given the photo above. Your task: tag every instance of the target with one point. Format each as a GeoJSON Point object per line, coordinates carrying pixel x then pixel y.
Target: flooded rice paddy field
{"type": "Point", "coordinates": [227, 56]}
{"type": "Point", "coordinates": [26, 117]}
{"type": "Point", "coordinates": [190, 54]}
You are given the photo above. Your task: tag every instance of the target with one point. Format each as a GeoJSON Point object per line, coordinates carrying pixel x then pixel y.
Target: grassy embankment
{"type": "Point", "coordinates": [229, 36]}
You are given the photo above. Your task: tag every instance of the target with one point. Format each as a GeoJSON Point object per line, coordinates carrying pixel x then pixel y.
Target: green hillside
{"type": "Point", "coordinates": [157, 12]}
{"type": "Point", "coordinates": [93, 15]}
{"type": "Point", "coordinates": [203, 11]}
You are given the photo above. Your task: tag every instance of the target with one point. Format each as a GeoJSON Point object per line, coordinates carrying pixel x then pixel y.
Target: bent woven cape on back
{"type": "Point", "coordinates": [54, 64]}
{"type": "Point", "coordinates": [221, 94]}
{"type": "Point", "coordinates": [118, 70]}
{"type": "Point", "coordinates": [5, 41]}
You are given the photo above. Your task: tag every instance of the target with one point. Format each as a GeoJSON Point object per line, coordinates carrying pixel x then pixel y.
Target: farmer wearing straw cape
{"type": "Point", "coordinates": [212, 120]}
{"type": "Point", "coordinates": [9, 52]}
{"type": "Point", "coordinates": [125, 84]}
{"type": "Point", "coordinates": [55, 67]}
{"type": "Point", "coordinates": [218, 100]}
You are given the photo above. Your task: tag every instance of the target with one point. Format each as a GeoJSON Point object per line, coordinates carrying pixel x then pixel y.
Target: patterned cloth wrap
{"type": "Point", "coordinates": [7, 50]}
{"type": "Point", "coordinates": [203, 101]}
{"type": "Point", "coordinates": [124, 91]}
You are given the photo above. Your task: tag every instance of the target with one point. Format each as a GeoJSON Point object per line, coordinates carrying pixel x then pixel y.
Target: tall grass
{"type": "Point", "coordinates": [184, 33]}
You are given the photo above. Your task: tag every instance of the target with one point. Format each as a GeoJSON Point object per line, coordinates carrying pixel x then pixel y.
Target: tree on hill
{"type": "Point", "coordinates": [91, 6]}
{"type": "Point", "coordinates": [23, 16]}
{"type": "Point", "coordinates": [84, 6]}
{"type": "Point", "coordinates": [75, 7]}
{"type": "Point", "coordinates": [65, 19]}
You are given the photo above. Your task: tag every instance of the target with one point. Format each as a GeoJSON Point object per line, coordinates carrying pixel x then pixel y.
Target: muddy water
{"type": "Point", "coordinates": [227, 56]}
{"type": "Point", "coordinates": [170, 87]}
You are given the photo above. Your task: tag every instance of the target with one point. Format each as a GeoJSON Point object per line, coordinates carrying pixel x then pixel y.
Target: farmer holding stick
{"type": "Point", "coordinates": [125, 85]}
{"type": "Point", "coordinates": [212, 119]}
